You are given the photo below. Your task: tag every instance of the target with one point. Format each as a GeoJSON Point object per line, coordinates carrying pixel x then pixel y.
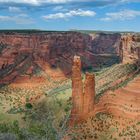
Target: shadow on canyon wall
{"type": "Point", "coordinates": [19, 52]}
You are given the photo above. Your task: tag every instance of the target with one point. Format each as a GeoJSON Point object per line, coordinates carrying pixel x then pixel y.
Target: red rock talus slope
{"type": "Point", "coordinates": [122, 102]}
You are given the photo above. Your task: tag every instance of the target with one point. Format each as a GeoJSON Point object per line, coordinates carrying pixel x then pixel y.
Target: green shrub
{"type": "Point", "coordinates": [28, 106]}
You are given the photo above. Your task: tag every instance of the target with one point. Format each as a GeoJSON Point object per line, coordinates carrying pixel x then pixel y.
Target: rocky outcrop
{"type": "Point", "coordinates": [82, 94]}
{"type": "Point", "coordinates": [138, 56]}
{"type": "Point", "coordinates": [120, 102]}
{"type": "Point", "coordinates": [77, 87]}
{"type": "Point", "coordinates": [100, 43]}
{"type": "Point", "coordinates": [89, 93]}
{"type": "Point", "coordinates": [129, 48]}
{"type": "Point", "coordinates": [58, 49]}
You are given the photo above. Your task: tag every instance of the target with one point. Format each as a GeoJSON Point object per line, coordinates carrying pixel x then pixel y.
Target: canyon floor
{"type": "Point", "coordinates": [39, 106]}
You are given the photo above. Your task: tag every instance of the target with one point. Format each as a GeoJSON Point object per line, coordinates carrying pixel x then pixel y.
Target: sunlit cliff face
{"type": "Point", "coordinates": [83, 92]}
{"type": "Point", "coordinates": [59, 48]}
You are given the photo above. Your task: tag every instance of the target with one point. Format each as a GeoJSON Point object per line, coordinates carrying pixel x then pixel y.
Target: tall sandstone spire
{"type": "Point", "coordinates": [89, 93]}
{"type": "Point", "coordinates": [82, 94]}
{"type": "Point", "coordinates": [77, 87]}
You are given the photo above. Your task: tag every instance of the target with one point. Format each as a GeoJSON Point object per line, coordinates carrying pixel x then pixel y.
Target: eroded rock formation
{"type": "Point", "coordinates": [121, 102]}
{"type": "Point", "coordinates": [77, 87]}
{"type": "Point", "coordinates": [129, 48]}
{"type": "Point", "coordinates": [83, 94]}
{"type": "Point", "coordinates": [138, 56]}
{"type": "Point", "coordinates": [89, 93]}
{"type": "Point", "coordinates": [58, 49]}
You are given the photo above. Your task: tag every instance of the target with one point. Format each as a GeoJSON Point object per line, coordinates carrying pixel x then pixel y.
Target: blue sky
{"type": "Point", "coordinates": [111, 15]}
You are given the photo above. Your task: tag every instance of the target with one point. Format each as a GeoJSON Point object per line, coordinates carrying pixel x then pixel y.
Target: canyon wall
{"type": "Point", "coordinates": [129, 48]}
{"type": "Point", "coordinates": [58, 49]}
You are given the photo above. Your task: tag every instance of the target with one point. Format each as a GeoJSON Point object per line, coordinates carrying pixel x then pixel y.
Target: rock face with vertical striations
{"type": "Point", "coordinates": [59, 47]}
{"type": "Point", "coordinates": [82, 94]}
{"type": "Point", "coordinates": [129, 47]}
{"type": "Point", "coordinates": [138, 56]}
{"type": "Point", "coordinates": [77, 87]}
{"type": "Point", "coordinates": [89, 93]}
{"type": "Point", "coordinates": [57, 50]}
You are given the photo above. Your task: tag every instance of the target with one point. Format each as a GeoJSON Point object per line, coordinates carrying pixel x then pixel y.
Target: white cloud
{"type": "Point", "coordinates": [41, 2]}
{"type": "Point", "coordinates": [58, 8]}
{"type": "Point", "coordinates": [130, 0]}
{"type": "Point", "coordinates": [38, 2]}
{"type": "Point", "coordinates": [4, 18]}
{"type": "Point", "coordinates": [121, 15]}
{"type": "Point", "coordinates": [35, 2]}
{"type": "Point", "coordinates": [70, 14]}
{"type": "Point", "coordinates": [14, 9]}
{"type": "Point", "coordinates": [57, 1]}
{"type": "Point", "coordinates": [61, 1]}
{"type": "Point", "coordinates": [19, 19]}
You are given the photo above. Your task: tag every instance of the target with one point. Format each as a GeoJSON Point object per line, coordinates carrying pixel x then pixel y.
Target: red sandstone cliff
{"type": "Point", "coordinates": [89, 93]}
{"type": "Point", "coordinates": [77, 87]}
{"type": "Point", "coordinates": [129, 48]}
{"type": "Point", "coordinates": [59, 48]}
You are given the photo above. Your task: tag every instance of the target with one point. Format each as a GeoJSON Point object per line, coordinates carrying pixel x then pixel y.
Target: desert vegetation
{"type": "Point", "coordinates": [47, 116]}
{"type": "Point", "coordinates": [106, 127]}
{"type": "Point", "coordinates": [35, 85]}
{"type": "Point", "coordinates": [44, 120]}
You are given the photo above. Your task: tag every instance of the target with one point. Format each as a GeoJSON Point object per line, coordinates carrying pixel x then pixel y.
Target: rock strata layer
{"type": "Point", "coordinates": [129, 48]}
{"type": "Point", "coordinates": [58, 49]}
